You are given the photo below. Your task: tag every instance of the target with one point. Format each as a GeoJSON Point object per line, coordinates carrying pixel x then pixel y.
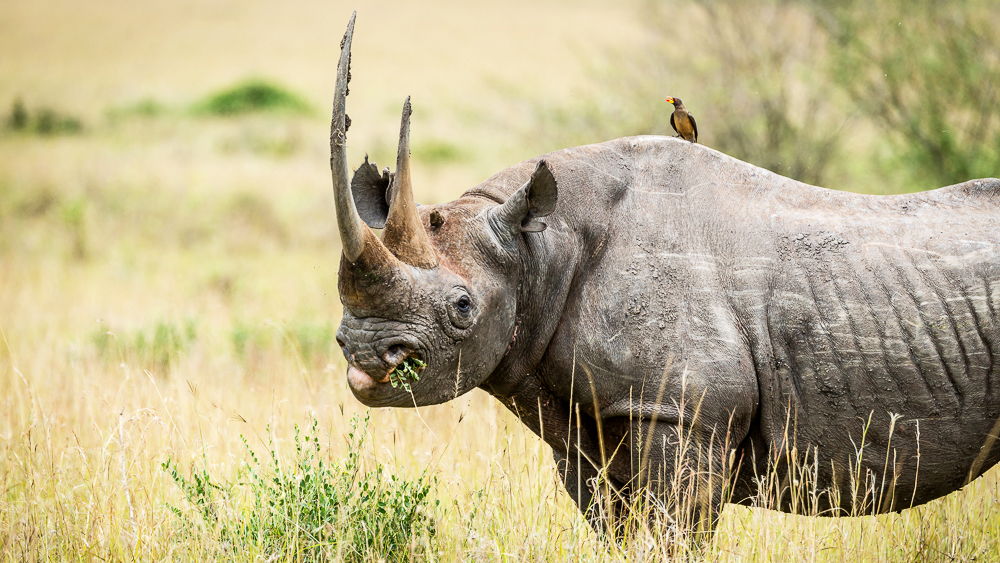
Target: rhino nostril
{"type": "Point", "coordinates": [397, 353]}
{"type": "Point", "coordinates": [344, 350]}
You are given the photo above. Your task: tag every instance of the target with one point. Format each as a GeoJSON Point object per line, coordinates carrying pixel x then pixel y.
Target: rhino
{"type": "Point", "coordinates": [685, 329]}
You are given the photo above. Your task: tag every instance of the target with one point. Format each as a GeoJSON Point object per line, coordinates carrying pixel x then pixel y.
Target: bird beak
{"type": "Point", "coordinates": [671, 100]}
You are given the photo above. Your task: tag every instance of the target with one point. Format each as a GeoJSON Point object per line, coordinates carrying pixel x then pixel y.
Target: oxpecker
{"type": "Point", "coordinates": [682, 121]}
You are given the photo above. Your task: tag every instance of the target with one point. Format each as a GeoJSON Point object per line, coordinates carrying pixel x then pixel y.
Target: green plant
{"type": "Point", "coordinates": [407, 370]}
{"type": "Point", "coordinates": [18, 119]}
{"type": "Point", "coordinates": [765, 100]}
{"type": "Point", "coordinates": [311, 507]}
{"type": "Point", "coordinates": [51, 122]}
{"type": "Point", "coordinates": [254, 96]}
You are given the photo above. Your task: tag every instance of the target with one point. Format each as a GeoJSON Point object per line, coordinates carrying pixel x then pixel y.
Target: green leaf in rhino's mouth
{"type": "Point", "coordinates": [406, 371]}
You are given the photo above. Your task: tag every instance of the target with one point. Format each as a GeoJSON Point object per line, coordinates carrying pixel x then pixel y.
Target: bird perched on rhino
{"type": "Point", "coordinates": [682, 121]}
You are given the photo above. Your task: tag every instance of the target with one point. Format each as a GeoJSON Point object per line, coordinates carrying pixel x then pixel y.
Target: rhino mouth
{"type": "Point", "coordinates": [396, 357]}
{"type": "Point", "coordinates": [367, 373]}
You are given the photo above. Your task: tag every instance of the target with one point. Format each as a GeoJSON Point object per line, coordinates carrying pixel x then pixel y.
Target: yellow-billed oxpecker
{"type": "Point", "coordinates": [682, 121]}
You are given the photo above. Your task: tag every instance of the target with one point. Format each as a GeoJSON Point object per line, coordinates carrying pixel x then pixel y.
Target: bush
{"type": "Point", "coordinates": [928, 73]}
{"type": "Point", "coordinates": [44, 121]}
{"type": "Point", "coordinates": [310, 509]}
{"type": "Point", "coordinates": [253, 96]}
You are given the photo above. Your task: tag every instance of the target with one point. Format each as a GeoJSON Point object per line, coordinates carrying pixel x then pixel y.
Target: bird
{"type": "Point", "coordinates": [682, 121]}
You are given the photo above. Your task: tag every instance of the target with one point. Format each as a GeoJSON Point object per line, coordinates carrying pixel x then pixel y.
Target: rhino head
{"type": "Point", "coordinates": [439, 286]}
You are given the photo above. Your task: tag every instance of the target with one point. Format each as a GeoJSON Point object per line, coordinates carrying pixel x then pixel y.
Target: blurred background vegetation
{"type": "Point", "coordinates": [884, 97]}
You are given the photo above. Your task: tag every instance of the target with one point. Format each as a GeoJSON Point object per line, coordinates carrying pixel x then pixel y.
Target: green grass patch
{"type": "Point", "coordinates": [313, 507]}
{"type": "Point", "coordinates": [158, 347]}
{"type": "Point", "coordinates": [253, 96]}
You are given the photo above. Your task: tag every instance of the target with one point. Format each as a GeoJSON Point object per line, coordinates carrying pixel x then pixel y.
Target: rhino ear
{"type": "Point", "coordinates": [371, 193]}
{"type": "Point", "coordinates": [536, 198]}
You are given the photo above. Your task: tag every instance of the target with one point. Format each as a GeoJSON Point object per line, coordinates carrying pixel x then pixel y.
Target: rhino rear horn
{"type": "Point", "coordinates": [404, 232]}
{"type": "Point", "coordinates": [536, 198]}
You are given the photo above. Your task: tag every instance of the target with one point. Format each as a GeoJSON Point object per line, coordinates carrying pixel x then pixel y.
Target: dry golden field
{"type": "Point", "coordinates": [168, 287]}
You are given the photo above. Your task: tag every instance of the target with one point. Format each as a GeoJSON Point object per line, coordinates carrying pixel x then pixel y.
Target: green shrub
{"type": "Point", "coordinates": [912, 87]}
{"type": "Point", "coordinates": [307, 508]}
{"type": "Point", "coordinates": [18, 119]}
{"type": "Point", "coordinates": [44, 121]}
{"type": "Point", "coordinates": [253, 96]}
{"type": "Point", "coordinates": [751, 80]}
{"type": "Point", "coordinates": [48, 121]}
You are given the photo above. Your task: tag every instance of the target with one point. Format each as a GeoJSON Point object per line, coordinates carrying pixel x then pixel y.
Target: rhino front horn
{"type": "Point", "coordinates": [359, 241]}
{"type": "Point", "coordinates": [404, 233]}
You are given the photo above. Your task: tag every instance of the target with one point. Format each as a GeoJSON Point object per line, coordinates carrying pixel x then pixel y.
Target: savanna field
{"type": "Point", "coordinates": [170, 386]}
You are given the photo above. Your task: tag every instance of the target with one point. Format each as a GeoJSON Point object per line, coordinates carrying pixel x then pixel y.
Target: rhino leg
{"type": "Point", "coordinates": [680, 475]}
{"type": "Point", "coordinates": [605, 513]}
{"type": "Point", "coordinates": [666, 476]}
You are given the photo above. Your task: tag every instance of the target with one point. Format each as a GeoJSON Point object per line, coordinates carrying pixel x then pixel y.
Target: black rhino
{"type": "Point", "coordinates": [685, 326]}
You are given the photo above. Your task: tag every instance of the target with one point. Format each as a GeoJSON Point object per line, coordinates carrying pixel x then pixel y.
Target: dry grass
{"type": "Point", "coordinates": [168, 284]}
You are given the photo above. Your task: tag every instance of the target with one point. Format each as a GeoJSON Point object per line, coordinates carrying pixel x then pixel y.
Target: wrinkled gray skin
{"type": "Point", "coordinates": [769, 322]}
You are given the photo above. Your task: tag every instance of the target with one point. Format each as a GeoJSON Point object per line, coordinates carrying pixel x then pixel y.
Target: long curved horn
{"type": "Point", "coordinates": [352, 228]}
{"type": "Point", "coordinates": [404, 233]}
{"type": "Point", "coordinates": [355, 235]}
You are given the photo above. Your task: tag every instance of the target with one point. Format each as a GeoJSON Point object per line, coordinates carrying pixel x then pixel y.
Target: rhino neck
{"type": "Point", "coordinates": [546, 265]}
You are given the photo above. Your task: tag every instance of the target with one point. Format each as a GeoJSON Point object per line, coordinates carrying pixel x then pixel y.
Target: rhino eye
{"type": "Point", "coordinates": [464, 304]}
{"type": "Point", "coordinates": [459, 307]}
